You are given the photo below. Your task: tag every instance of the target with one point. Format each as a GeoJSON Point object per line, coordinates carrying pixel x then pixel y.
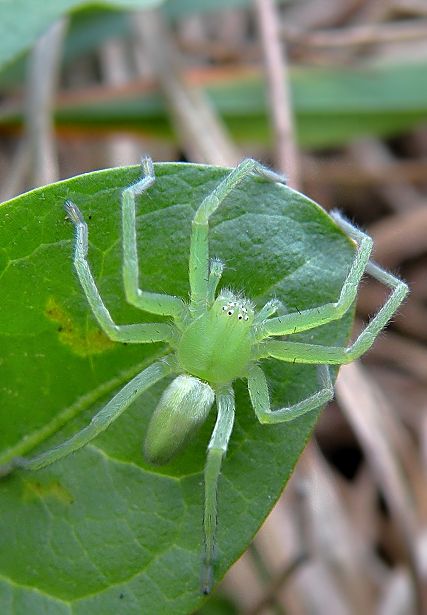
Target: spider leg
{"type": "Point", "coordinates": [216, 450]}
{"type": "Point", "coordinates": [314, 317]}
{"type": "Point", "coordinates": [199, 248]}
{"type": "Point", "coordinates": [258, 392]}
{"type": "Point", "coordinates": [299, 352]}
{"type": "Point", "coordinates": [109, 413]}
{"type": "Point", "coordinates": [270, 308]}
{"type": "Point", "coordinates": [215, 273]}
{"type": "Point", "coordinates": [156, 303]}
{"type": "Point", "coordinates": [135, 333]}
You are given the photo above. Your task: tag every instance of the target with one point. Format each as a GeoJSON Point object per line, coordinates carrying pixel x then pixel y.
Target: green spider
{"type": "Point", "coordinates": [214, 339]}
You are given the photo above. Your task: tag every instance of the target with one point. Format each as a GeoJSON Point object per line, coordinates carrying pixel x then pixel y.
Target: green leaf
{"type": "Point", "coordinates": [23, 21]}
{"type": "Point", "coordinates": [102, 531]}
{"type": "Point", "coordinates": [332, 106]}
{"type": "Point", "coordinates": [87, 30]}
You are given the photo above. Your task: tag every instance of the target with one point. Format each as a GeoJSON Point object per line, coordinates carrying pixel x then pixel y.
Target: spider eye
{"type": "Point", "coordinates": [230, 312]}
{"type": "Point", "coordinates": [240, 317]}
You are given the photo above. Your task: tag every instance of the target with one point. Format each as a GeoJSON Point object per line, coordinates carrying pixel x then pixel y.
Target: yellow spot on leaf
{"type": "Point", "coordinates": [81, 342]}
{"type": "Point", "coordinates": [34, 490]}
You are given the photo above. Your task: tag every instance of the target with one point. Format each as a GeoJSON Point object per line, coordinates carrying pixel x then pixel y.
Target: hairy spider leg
{"type": "Point", "coordinates": [314, 317]}
{"type": "Point", "coordinates": [270, 308]}
{"type": "Point", "coordinates": [135, 333]}
{"type": "Point", "coordinates": [216, 450]}
{"type": "Point", "coordinates": [215, 273]}
{"type": "Point", "coordinates": [156, 303]}
{"type": "Point", "coordinates": [99, 423]}
{"type": "Point", "coordinates": [258, 392]}
{"type": "Point", "coordinates": [199, 247]}
{"type": "Point", "coordinates": [299, 352]}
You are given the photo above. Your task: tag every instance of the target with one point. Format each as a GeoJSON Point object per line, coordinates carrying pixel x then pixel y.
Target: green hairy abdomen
{"type": "Point", "coordinates": [215, 348]}
{"type": "Point", "coordinates": [182, 409]}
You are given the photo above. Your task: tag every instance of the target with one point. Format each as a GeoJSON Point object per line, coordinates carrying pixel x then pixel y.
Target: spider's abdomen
{"type": "Point", "coordinates": [183, 407]}
{"type": "Point", "coordinates": [216, 347]}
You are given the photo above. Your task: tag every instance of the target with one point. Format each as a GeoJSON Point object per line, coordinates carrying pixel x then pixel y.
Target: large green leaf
{"type": "Point", "coordinates": [102, 531]}
{"type": "Point", "coordinates": [23, 21]}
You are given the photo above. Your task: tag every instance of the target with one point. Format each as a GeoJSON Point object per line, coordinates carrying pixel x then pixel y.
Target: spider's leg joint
{"type": "Point", "coordinates": [73, 212]}
{"type": "Point", "coordinates": [270, 308]}
{"type": "Point", "coordinates": [276, 304]}
{"type": "Point", "coordinates": [147, 165]}
{"type": "Point", "coordinates": [250, 165]}
{"type": "Point", "coordinates": [217, 266]}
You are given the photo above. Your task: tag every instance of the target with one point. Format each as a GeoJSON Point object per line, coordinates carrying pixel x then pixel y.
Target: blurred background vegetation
{"type": "Point", "coordinates": [334, 93]}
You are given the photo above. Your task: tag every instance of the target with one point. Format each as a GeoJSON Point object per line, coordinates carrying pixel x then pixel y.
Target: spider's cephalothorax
{"type": "Point", "coordinates": [214, 340]}
{"type": "Point", "coordinates": [217, 345]}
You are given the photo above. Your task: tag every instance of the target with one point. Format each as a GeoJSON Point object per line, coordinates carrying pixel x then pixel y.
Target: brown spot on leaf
{"type": "Point", "coordinates": [33, 490]}
{"type": "Point", "coordinates": [81, 341]}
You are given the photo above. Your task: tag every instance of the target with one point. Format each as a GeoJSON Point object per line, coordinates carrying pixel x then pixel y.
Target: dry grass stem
{"type": "Point", "coordinates": [400, 237]}
{"type": "Point", "coordinates": [333, 539]}
{"type": "Point", "coordinates": [409, 355]}
{"type": "Point", "coordinates": [371, 154]}
{"type": "Point", "coordinates": [366, 413]}
{"type": "Point", "coordinates": [42, 84]}
{"type": "Point", "coordinates": [123, 149]}
{"type": "Point", "coordinates": [18, 170]}
{"type": "Point", "coordinates": [270, 593]}
{"type": "Point", "coordinates": [200, 131]}
{"type": "Point", "coordinates": [287, 157]}
{"type": "Point", "coordinates": [409, 7]}
{"type": "Point", "coordinates": [367, 34]}
{"type": "Point", "coordinates": [339, 171]}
